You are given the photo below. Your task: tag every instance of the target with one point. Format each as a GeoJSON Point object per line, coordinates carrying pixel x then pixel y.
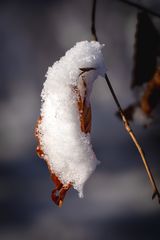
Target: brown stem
{"type": "Point", "coordinates": [125, 121]}
{"type": "Point", "coordinates": [133, 137]}
{"type": "Point", "coordinates": [140, 7]}
{"type": "Point", "coordinates": [93, 17]}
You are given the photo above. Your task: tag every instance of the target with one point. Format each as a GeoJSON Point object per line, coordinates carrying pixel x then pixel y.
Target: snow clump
{"type": "Point", "coordinates": [67, 149]}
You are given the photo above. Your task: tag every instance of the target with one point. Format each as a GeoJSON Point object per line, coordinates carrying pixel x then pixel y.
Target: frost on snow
{"type": "Point", "coordinates": [64, 128]}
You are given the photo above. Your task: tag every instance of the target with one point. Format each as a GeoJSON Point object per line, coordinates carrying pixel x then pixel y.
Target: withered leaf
{"type": "Point", "coordinates": [60, 190]}
{"type": "Point", "coordinates": [146, 49]}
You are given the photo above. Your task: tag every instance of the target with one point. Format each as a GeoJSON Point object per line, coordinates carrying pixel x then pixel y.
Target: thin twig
{"type": "Point", "coordinates": [93, 28]}
{"type": "Point", "coordinates": [140, 7]}
{"type": "Point", "coordinates": [133, 137]}
{"type": "Point", "coordinates": [124, 119]}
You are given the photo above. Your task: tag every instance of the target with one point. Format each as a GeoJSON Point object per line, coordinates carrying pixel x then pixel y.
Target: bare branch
{"type": "Point", "coordinates": [133, 137]}
{"type": "Point", "coordinates": [140, 7]}
{"type": "Point", "coordinates": [124, 119]}
{"type": "Point", "coordinates": [93, 28]}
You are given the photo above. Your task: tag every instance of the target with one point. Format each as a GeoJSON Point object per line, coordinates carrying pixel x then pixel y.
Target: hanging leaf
{"type": "Point", "coordinates": [145, 50]}
{"type": "Point", "coordinates": [63, 130]}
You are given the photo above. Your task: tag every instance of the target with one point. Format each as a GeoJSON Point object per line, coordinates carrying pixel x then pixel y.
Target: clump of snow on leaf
{"type": "Point", "coordinates": [67, 149]}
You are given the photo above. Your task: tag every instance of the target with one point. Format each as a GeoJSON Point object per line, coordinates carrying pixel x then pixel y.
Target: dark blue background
{"type": "Point", "coordinates": [117, 202]}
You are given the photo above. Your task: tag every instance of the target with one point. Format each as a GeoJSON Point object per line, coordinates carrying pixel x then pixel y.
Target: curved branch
{"type": "Point", "coordinates": [93, 17]}
{"type": "Point", "coordinates": [135, 141]}
{"type": "Point", "coordinates": [124, 119]}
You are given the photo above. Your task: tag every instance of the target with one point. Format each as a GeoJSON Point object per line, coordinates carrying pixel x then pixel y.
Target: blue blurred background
{"type": "Point", "coordinates": [117, 202]}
